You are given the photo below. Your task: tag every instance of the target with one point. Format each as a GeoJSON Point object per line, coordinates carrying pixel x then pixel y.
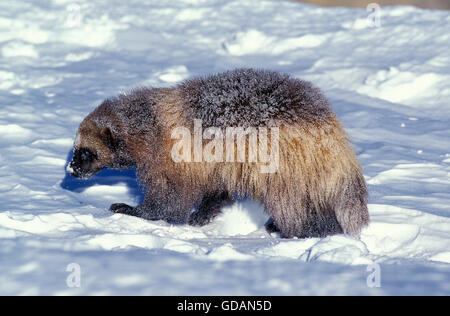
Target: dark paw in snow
{"type": "Point", "coordinates": [271, 227]}
{"type": "Point", "coordinates": [198, 219]}
{"type": "Point", "coordinates": [120, 208]}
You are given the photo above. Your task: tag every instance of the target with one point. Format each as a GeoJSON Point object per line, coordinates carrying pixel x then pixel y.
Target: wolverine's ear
{"type": "Point", "coordinates": [109, 139]}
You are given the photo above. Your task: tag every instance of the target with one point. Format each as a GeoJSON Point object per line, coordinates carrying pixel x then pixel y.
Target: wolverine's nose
{"type": "Point", "coordinates": [82, 164]}
{"type": "Point", "coordinates": [72, 170]}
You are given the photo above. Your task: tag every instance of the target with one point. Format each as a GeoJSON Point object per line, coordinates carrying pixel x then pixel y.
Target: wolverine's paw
{"type": "Point", "coordinates": [271, 227]}
{"type": "Point", "coordinates": [121, 208]}
{"type": "Point", "coordinates": [198, 219]}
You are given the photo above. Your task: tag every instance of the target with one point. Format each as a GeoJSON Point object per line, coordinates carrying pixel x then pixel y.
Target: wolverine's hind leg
{"type": "Point", "coordinates": [271, 227]}
{"type": "Point", "coordinates": [209, 207]}
{"type": "Point", "coordinates": [301, 219]}
{"type": "Point", "coordinates": [352, 213]}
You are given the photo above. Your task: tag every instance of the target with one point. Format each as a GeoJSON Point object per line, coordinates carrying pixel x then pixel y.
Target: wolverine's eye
{"type": "Point", "coordinates": [86, 155]}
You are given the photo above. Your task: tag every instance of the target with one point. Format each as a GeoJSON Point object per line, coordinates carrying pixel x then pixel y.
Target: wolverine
{"type": "Point", "coordinates": [317, 188]}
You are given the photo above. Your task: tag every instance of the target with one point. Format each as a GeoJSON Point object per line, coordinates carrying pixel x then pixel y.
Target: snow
{"type": "Point", "coordinates": [388, 85]}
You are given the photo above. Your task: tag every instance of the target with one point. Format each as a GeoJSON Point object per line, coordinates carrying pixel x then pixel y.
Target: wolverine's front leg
{"type": "Point", "coordinates": [144, 210]}
{"type": "Point", "coordinates": [210, 206]}
{"type": "Point", "coordinates": [170, 207]}
{"type": "Point", "coordinates": [121, 208]}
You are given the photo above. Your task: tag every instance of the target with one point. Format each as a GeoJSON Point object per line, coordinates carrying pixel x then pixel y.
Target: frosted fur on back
{"type": "Point", "coordinates": [250, 97]}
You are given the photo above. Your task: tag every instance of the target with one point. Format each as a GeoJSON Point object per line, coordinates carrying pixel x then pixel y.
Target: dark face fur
{"type": "Point", "coordinates": [84, 163]}
{"type": "Point", "coordinates": [93, 150]}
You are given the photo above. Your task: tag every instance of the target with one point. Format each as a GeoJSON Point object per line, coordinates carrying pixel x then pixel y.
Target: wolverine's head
{"type": "Point", "coordinates": [95, 149]}
{"type": "Point", "coordinates": [98, 144]}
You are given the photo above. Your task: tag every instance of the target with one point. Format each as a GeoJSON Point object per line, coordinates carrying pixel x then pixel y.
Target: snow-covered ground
{"type": "Point", "coordinates": [389, 85]}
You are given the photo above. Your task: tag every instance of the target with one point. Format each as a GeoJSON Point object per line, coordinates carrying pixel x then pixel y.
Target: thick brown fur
{"type": "Point", "coordinates": [318, 189]}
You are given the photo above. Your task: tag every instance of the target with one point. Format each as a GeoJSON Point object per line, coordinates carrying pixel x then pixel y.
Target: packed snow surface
{"type": "Point", "coordinates": [390, 86]}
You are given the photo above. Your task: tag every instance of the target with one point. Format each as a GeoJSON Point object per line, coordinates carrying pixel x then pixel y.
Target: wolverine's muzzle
{"type": "Point", "coordinates": [83, 164]}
